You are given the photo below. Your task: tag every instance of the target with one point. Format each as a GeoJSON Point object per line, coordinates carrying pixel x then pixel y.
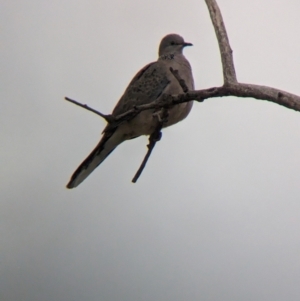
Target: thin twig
{"type": "Point", "coordinates": [225, 49]}
{"type": "Point", "coordinates": [180, 80]}
{"type": "Point", "coordinates": [150, 146]}
{"type": "Point", "coordinates": [154, 137]}
{"type": "Point", "coordinates": [108, 118]}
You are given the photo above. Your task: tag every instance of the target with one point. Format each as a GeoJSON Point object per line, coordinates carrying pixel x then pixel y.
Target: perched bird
{"type": "Point", "coordinates": [147, 85]}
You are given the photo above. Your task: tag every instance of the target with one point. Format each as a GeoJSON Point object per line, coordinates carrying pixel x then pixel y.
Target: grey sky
{"type": "Point", "coordinates": [216, 213]}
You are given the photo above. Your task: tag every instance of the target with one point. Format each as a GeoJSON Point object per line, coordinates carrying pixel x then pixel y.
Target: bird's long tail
{"type": "Point", "coordinates": [106, 145]}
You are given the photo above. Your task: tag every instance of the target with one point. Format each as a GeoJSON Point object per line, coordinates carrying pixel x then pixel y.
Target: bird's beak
{"type": "Point", "coordinates": [187, 44]}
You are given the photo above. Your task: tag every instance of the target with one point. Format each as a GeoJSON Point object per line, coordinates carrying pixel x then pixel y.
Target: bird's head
{"type": "Point", "coordinates": [172, 43]}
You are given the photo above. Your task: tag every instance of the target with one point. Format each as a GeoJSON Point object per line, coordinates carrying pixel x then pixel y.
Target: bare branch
{"type": "Point", "coordinates": [280, 97]}
{"type": "Point", "coordinates": [154, 137]}
{"type": "Point", "coordinates": [225, 49]}
{"type": "Point", "coordinates": [231, 87]}
{"type": "Point", "coordinates": [108, 118]}
{"type": "Point", "coordinates": [283, 98]}
{"type": "Point", "coordinates": [180, 80]}
{"type": "Point", "coordinates": [286, 99]}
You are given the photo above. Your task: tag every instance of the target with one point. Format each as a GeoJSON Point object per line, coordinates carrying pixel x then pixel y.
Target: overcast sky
{"type": "Point", "coordinates": [216, 213]}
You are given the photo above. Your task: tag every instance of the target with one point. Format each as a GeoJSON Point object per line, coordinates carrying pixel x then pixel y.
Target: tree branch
{"type": "Point", "coordinates": [280, 97]}
{"type": "Point", "coordinates": [225, 49]}
{"type": "Point", "coordinates": [231, 87]}
{"type": "Point", "coordinates": [180, 80]}
{"type": "Point", "coordinates": [154, 137]}
{"type": "Point", "coordinates": [108, 118]}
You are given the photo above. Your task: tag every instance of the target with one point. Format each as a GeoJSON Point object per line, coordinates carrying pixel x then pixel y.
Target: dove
{"type": "Point", "coordinates": [146, 86]}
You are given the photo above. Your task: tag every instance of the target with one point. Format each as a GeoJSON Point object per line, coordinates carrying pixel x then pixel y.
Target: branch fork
{"type": "Point", "coordinates": [231, 87]}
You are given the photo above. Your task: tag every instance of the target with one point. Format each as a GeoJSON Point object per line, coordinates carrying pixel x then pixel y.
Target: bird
{"type": "Point", "coordinates": [146, 86]}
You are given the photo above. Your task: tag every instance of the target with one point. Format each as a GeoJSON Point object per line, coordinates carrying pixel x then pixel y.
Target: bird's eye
{"type": "Point", "coordinates": [172, 43]}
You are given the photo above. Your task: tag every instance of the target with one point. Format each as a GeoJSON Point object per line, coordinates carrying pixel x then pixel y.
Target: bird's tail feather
{"type": "Point", "coordinates": [106, 145]}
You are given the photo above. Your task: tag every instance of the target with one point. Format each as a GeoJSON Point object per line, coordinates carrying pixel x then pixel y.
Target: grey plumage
{"type": "Point", "coordinates": [147, 85]}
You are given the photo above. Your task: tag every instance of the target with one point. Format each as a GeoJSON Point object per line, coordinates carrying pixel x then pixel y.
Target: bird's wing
{"type": "Point", "coordinates": [146, 86]}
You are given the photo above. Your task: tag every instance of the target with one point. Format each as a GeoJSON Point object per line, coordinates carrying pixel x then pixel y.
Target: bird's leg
{"type": "Point", "coordinates": [155, 136]}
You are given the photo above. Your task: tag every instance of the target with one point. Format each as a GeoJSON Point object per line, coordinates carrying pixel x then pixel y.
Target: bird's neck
{"type": "Point", "coordinates": [168, 56]}
{"type": "Point", "coordinates": [171, 55]}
